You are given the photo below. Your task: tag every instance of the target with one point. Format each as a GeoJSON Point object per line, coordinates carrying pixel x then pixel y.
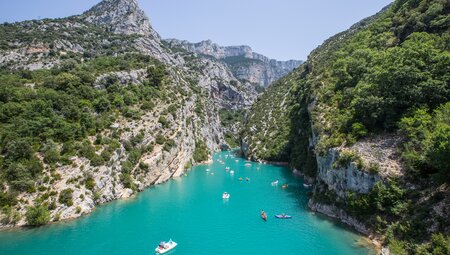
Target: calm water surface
{"type": "Point", "coordinates": [191, 211]}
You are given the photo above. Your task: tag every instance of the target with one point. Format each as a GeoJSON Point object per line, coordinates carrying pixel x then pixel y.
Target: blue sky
{"type": "Point", "coordinates": [281, 29]}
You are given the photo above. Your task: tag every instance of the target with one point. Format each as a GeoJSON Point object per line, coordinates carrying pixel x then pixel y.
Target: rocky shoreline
{"type": "Point", "coordinates": [337, 214]}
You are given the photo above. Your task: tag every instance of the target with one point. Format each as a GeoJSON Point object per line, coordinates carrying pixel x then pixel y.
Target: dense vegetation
{"type": "Point", "coordinates": [50, 113]}
{"type": "Point", "coordinates": [231, 121]}
{"type": "Point", "coordinates": [201, 152]}
{"type": "Point", "coordinates": [388, 74]}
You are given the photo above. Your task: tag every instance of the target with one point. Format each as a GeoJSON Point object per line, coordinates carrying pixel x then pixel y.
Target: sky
{"type": "Point", "coordinates": [280, 29]}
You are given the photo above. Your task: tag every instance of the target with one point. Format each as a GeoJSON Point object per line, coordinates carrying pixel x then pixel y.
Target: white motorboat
{"type": "Point", "coordinates": [225, 195]}
{"type": "Point", "coordinates": [164, 247]}
{"type": "Point", "coordinates": [231, 171]}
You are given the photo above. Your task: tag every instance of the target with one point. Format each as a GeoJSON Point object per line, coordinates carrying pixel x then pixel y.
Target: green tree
{"type": "Point", "coordinates": [65, 197]}
{"type": "Point", "coordinates": [37, 215]}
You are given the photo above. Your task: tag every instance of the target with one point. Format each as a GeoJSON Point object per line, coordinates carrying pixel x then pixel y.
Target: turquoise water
{"type": "Point", "coordinates": [191, 211]}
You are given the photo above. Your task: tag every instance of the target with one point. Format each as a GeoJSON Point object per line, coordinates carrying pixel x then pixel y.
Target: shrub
{"type": "Point", "coordinates": [127, 166]}
{"type": "Point", "coordinates": [52, 155]}
{"type": "Point", "coordinates": [397, 247]}
{"type": "Point", "coordinates": [170, 143]}
{"type": "Point", "coordinates": [147, 106]}
{"type": "Point", "coordinates": [127, 181]}
{"type": "Point", "coordinates": [11, 215]}
{"type": "Point", "coordinates": [201, 151]}
{"type": "Point", "coordinates": [37, 215]}
{"type": "Point", "coordinates": [160, 139]}
{"type": "Point", "coordinates": [90, 183]}
{"type": "Point", "coordinates": [97, 160]}
{"type": "Point", "coordinates": [7, 199]}
{"type": "Point", "coordinates": [373, 167]}
{"type": "Point", "coordinates": [345, 158]}
{"type": "Point", "coordinates": [163, 121]}
{"type": "Point", "coordinates": [65, 197]}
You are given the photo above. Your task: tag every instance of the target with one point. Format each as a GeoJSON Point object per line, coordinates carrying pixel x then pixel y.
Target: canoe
{"type": "Point", "coordinates": [165, 247]}
{"type": "Point", "coordinates": [281, 216]}
{"type": "Point", "coordinates": [264, 216]}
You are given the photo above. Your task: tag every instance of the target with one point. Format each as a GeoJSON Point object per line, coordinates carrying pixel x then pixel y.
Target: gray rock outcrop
{"type": "Point", "coordinates": [244, 63]}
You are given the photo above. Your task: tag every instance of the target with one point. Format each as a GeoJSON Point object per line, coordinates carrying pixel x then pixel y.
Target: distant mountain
{"type": "Point", "coordinates": [245, 64]}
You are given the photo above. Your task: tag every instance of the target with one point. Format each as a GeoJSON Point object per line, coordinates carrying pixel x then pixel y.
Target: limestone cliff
{"type": "Point", "coordinates": [245, 64]}
{"type": "Point", "coordinates": [149, 141]}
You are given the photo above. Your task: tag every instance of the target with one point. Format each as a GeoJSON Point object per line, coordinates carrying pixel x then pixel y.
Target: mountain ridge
{"type": "Point", "coordinates": [243, 61]}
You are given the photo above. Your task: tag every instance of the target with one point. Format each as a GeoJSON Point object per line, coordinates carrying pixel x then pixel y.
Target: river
{"type": "Point", "coordinates": [191, 211]}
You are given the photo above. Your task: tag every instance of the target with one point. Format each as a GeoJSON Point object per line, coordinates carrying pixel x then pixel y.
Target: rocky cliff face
{"type": "Point", "coordinates": [361, 170]}
{"type": "Point", "coordinates": [158, 164]}
{"type": "Point", "coordinates": [125, 17]}
{"type": "Point", "coordinates": [151, 145]}
{"type": "Point", "coordinates": [245, 64]}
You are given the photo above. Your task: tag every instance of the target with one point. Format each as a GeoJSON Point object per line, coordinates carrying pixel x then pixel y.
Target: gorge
{"type": "Point", "coordinates": [97, 107]}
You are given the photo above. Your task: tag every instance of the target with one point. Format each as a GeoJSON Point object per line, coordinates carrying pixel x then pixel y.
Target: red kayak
{"type": "Point", "coordinates": [264, 216]}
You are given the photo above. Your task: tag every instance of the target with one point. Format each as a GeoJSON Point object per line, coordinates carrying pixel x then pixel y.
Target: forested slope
{"type": "Point", "coordinates": [367, 116]}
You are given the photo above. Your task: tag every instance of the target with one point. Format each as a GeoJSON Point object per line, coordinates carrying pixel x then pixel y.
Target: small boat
{"type": "Point", "coordinates": [225, 195]}
{"type": "Point", "coordinates": [240, 179]}
{"type": "Point", "coordinates": [232, 172]}
{"type": "Point", "coordinates": [307, 185]}
{"type": "Point", "coordinates": [207, 170]}
{"type": "Point", "coordinates": [284, 186]}
{"type": "Point", "coordinates": [247, 179]}
{"type": "Point", "coordinates": [227, 168]}
{"type": "Point", "coordinates": [264, 216]}
{"type": "Point", "coordinates": [283, 216]}
{"type": "Point", "coordinates": [237, 160]}
{"type": "Point", "coordinates": [274, 183]}
{"type": "Point", "coordinates": [164, 247]}
{"type": "Point", "coordinates": [248, 164]}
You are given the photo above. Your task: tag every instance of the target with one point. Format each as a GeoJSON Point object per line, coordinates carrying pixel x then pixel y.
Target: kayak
{"type": "Point", "coordinates": [264, 216]}
{"type": "Point", "coordinates": [281, 216]}
{"type": "Point", "coordinates": [164, 247]}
